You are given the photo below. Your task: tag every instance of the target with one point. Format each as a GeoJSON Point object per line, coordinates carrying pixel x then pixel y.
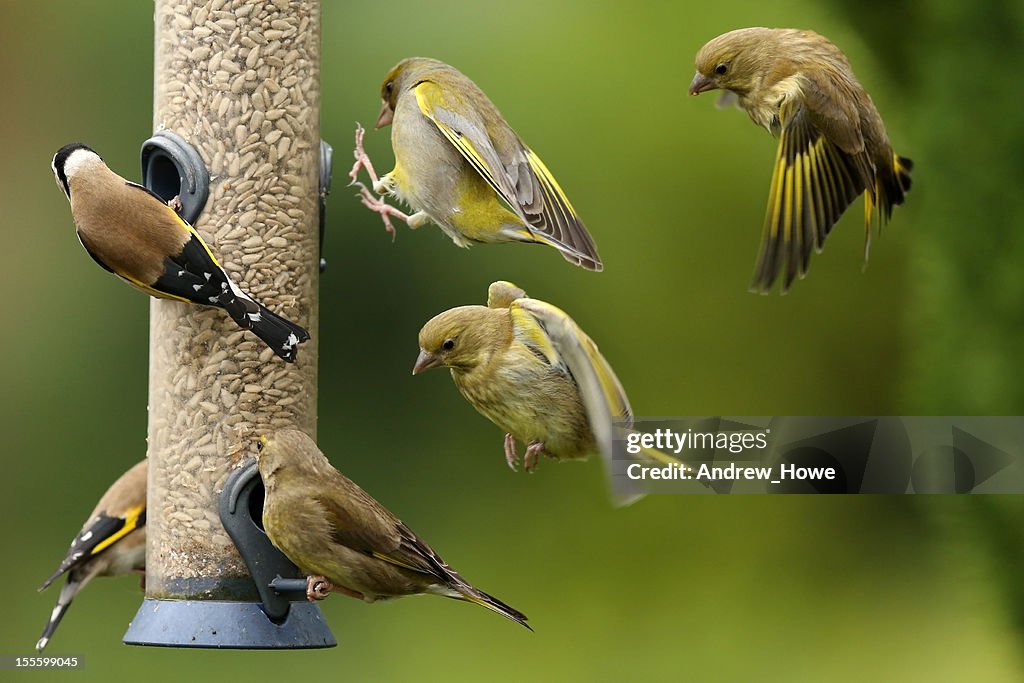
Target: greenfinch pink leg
{"type": "Point", "coordinates": [318, 588]}
{"type": "Point", "coordinates": [530, 459]}
{"type": "Point", "coordinates": [382, 186]}
{"type": "Point", "coordinates": [510, 452]}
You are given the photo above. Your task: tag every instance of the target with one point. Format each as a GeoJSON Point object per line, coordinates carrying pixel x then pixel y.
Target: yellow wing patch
{"type": "Point", "coordinates": [812, 184]}
{"type": "Point", "coordinates": [559, 337]}
{"type": "Point", "coordinates": [132, 517]}
{"type": "Point", "coordinates": [398, 563]}
{"type": "Point", "coordinates": [529, 331]}
{"type": "Point", "coordinates": [553, 194]}
{"type": "Point", "coordinates": [426, 94]}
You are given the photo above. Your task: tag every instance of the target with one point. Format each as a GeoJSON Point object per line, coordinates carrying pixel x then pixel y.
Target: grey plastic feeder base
{"type": "Point", "coordinates": [228, 625]}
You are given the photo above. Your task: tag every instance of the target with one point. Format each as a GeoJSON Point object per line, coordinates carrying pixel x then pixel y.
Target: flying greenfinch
{"type": "Point", "coordinates": [134, 234]}
{"type": "Point", "coordinates": [112, 542]}
{"type": "Point", "coordinates": [460, 165]}
{"type": "Point", "coordinates": [529, 368]}
{"type": "Point", "coordinates": [832, 143]}
{"type": "Point", "coordinates": [343, 539]}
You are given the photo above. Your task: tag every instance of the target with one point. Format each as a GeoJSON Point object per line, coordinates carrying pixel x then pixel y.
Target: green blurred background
{"type": "Point", "coordinates": [673, 190]}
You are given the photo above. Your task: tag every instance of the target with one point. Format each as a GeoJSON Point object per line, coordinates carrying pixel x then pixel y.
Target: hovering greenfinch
{"type": "Point", "coordinates": [460, 165]}
{"type": "Point", "coordinates": [832, 143]}
{"type": "Point", "coordinates": [112, 542]}
{"type": "Point", "coordinates": [343, 539]}
{"type": "Point", "coordinates": [529, 368]}
{"type": "Point", "coordinates": [132, 233]}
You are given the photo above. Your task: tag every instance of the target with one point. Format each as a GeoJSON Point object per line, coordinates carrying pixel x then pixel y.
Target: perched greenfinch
{"type": "Point", "coordinates": [112, 542]}
{"type": "Point", "coordinates": [343, 539]}
{"type": "Point", "coordinates": [529, 368]}
{"type": "Point", "coordinates": [460, 165]}
{"type": "Point", "coordinates": [132, 233]}
{"type": "Point", "coordinates": [832, 143]}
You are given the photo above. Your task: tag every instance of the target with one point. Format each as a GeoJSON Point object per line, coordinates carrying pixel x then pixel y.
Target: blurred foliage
{"type": "Point", "coordinates": [968, 284]}
{"type": "Point", "coordinates": [673, 190]}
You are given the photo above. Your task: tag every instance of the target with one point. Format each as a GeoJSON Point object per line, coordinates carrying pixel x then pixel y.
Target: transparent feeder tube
{"type": "Point", "coordinates": [240, 81]}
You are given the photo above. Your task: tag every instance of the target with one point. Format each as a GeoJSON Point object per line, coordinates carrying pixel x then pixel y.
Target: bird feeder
{"type": "Point", "coordinates": [236, 95]}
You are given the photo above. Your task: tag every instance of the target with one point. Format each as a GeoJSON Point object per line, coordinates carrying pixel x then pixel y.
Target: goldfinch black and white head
{"type": "Point", "coordinates": [71, 159]}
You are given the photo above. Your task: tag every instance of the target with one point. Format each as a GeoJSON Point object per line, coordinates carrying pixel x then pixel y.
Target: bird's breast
{"type": "Point", "coordinates": [533, 402]}
{"type": "Point", "coordinates": [763, 105]}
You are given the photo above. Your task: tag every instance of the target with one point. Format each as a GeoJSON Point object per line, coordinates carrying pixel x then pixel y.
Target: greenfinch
{"type": "Point", "coordinates": [343, 539]}
{"type": "Point", "coordinates": [529, 368]}
{"type": "Point", "coordinates": [833, 146]}
{"type": "Point", "coordinates": [460, 165]}
{"type": "Point", "coordinates": [112, 542]}
{"type": "Point", "coordinates": [132, 233]}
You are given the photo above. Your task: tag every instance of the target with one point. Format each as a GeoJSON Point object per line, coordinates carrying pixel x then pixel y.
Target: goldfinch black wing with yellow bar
{"type": "Point", "coordinates": [111, 543]}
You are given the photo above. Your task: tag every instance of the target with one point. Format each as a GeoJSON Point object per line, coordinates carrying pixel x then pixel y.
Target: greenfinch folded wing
{"type": "Point", "coordinates": [459, 164]}
{"type": "Point", "coordinates": [342, 538]}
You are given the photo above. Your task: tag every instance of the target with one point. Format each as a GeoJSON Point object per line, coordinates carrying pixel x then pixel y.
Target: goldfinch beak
{"type": "Point", "coordinates": [425, 361]}
{"type": "Point", "coordinates": [701, 83]}
{"type": "Point", "coordinates": [386, 115]}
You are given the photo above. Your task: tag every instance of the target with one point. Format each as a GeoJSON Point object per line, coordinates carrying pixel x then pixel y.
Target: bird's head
{"type": "Point", "coordinates": [733, 61]}
{"type": "Point", "coordinates": [404, 75]}
{"type": "Point", "coordinates": [462, 338]}
{"type": "Point", "coordinates": [69, 160]}
{"type": "Point", "coordinates": [268, 458]}
{"type": "Point", "coordinates": [288, 450]}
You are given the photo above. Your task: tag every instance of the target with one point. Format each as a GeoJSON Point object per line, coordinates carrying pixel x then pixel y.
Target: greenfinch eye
{"type": "Point", "coordinates": [388, 87]}
{"type": "Point", "coordinates": [721, 69]}
{"type": "Point", "coordinates": [448, 344]}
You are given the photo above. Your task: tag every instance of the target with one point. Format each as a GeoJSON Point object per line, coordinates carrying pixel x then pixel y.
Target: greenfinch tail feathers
{"type": "Point", "coordinates": [478, 597]}
{"type": "Point", "coordinates": [452, 584]}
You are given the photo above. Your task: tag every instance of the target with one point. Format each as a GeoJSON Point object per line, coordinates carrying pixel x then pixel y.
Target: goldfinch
{"type": "Point", "coordinates": [131, 232]}
{"type": "Point", "coordinates": [112, 542]}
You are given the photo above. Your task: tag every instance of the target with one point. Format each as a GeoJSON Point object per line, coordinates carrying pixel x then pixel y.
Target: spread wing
{"type": "Point", "coordinates": [819, 171]}
{"type": "Point", "coordinates": [516, 174]}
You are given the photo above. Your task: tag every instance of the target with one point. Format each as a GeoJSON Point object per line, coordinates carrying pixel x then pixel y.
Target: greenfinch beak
{"type": "Point", "coordinates": [699, 84]}
{"type": "Point", "coordinates": [425, 361]}
{"type": "Point", "coordinates": [386, 115]}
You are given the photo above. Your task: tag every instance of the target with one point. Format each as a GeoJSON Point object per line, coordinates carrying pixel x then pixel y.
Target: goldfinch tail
{"type": "Point", "coordinates": [67, 594]}
{"type": "Point", "coordinates": [280, 334]}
